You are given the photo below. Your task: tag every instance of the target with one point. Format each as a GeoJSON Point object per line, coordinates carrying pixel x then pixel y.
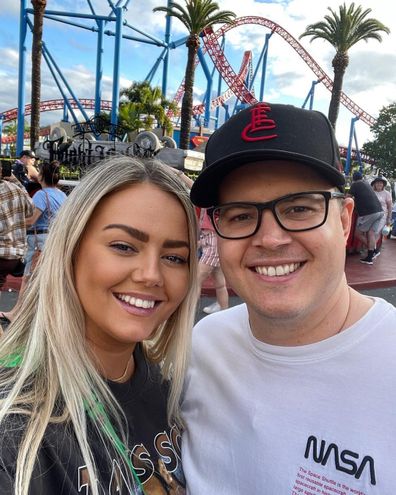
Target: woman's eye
{"type": "Point", "coordinates": [123, 248]}
{"type": "Point", "coordinates": [177, 260]}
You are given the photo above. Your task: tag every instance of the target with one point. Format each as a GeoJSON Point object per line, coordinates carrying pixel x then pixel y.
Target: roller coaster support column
{"type": "Point", "coordinates": [358, 155]}
{"type": "Point", "coordinates": [209, 79]}
{"type": "Point", "coordinates": [116, 67]}
{"type": "Point", "coordinates": [1, 132]}
{"type": "Point", "coordinates": [168, 24]}
{"type": "Point", "coordinates": [349, 152]}
{"type": "Point", "coordinates": [65, 117]}
{"type": "Point", "coordinates": [99, 67]}
{"type": "Point", "coordinates": [21, 78]}
{"type": "Point", "coordinates": [216, 125]}
{"type": "Point", "coordinates": [264, 71]}
{"type": "Point", "coordinates": [311, 94]}
{"type": "Point", "coordinates": [52, 64]}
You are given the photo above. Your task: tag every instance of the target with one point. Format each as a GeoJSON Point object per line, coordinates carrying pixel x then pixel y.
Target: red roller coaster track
{"type": "Point", "coordinates": [49, 105]}
{"type": "Point", "coordinates": [237, 86]}
{"type": "Point", "coordinates": [234, 81]}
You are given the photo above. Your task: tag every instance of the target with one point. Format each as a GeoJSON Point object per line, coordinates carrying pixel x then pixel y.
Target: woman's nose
{"type": "Point", "coordinates": [148, 272]}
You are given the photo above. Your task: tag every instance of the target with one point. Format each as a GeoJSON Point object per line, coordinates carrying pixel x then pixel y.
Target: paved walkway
{"type": "Point", "coordinates": [381, 274]}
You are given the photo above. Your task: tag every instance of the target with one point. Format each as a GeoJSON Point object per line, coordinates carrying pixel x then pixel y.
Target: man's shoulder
{"type": "Point", "coordinates": [214, 326]}
{"type": "Point", "coordinates": [14, 186]}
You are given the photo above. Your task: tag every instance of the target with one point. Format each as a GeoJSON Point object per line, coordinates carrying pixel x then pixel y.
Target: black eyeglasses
{"type": "Point", "coordinates": [294, 212]}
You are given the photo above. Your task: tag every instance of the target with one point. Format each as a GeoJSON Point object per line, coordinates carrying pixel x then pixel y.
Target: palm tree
{"type": "Point", "coordinates": [38, 10]}
{"type": "Point", "coordinates": [129, 116]}
{"type": "Point", "coordinates": [342, 30]}
{"type": "Point", "coordinates": [145, 100]}
{"type": "Point", "coordinates": [196, 16]}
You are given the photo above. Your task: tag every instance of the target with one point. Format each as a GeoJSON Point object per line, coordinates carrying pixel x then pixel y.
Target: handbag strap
{"type": "Point", "coordinates": [48, 207]}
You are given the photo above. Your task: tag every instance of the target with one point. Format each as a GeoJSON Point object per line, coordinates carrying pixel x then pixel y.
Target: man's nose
{"type": "Point", "coordinates": [270, 234]}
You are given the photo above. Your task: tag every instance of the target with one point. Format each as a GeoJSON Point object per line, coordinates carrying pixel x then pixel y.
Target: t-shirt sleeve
{"type": "Point", "coordinates": [40, 201]}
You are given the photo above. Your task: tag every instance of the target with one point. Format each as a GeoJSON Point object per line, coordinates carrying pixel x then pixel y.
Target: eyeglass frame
{"type": "Point", "coordinates": [270, 205]}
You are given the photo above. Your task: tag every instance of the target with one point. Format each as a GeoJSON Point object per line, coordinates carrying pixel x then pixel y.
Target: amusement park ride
{"type": "Point", "coordinates": [240, 85]}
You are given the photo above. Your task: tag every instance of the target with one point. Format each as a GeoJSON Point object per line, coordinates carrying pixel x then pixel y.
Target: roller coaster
{"type": "Point", "coordinates": [240, 84]}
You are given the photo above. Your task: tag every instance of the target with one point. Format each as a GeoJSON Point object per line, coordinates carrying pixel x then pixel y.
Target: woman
{"type": "Point", "coordinates": [112, 299]}
{"type": "Point", "coordinates": [209, 264]}
{"type": "Point", "coordinates": [47, 202]}
{"type": "Point", "coordinates": [385, 198]}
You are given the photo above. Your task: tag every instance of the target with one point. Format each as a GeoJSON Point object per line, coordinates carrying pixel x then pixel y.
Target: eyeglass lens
{"type": "Point", "coordinates": [294, 213]}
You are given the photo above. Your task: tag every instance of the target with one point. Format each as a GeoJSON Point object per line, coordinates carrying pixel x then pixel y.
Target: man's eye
{"type": "Point", "coordinates": [235, 216]}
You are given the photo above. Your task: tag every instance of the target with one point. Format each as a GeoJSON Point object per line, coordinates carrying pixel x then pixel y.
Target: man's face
{"type": "Point", "coordinates": [27, 160]}
{"type": "Point", "coordinates": [255, 267]}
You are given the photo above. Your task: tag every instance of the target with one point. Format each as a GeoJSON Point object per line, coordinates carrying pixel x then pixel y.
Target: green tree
{"type": "Point", "coordinates": [196, 16]}
{"type": "Point", "coordinates": [342, 30]}
{"type": "Point", "coordinates": [383, 148]}
{"type": "Point", "coordinates": [38, 11]}
{"type": "Point", "coordinates": [144, 106]}
{"type": "Point", "coordinates": [10, 129]}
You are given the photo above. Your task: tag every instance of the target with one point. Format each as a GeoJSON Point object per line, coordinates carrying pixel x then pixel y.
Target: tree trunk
{"type": "Point", "coordinates": [340, 63]}
{"type": "Point", "coordinates": [187, 102]}
{"type": "Point", "coordinates": [39, 8]}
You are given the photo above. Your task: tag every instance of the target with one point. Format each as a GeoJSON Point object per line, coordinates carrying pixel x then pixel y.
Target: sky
{"type": "Point", "coordinates": [370, 80]}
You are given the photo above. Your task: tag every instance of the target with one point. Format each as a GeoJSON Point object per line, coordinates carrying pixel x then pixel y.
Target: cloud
{"type": "Point", "coordinates": [370, 79]}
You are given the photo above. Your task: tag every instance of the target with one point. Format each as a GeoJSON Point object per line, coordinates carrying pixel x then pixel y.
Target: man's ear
{"type": "Point", "coordinates": [346, 216]}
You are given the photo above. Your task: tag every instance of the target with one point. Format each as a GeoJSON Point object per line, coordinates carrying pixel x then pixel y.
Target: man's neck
{"type": "Point", "coordinates": [327, 321]}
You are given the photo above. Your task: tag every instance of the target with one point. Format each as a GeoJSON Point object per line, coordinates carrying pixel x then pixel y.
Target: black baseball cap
{"type": "Point", "coordinates": [265, 132]}
{"type": "Point", "coordinates": [28, 153]}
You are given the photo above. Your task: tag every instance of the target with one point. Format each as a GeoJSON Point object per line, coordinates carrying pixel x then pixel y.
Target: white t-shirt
{"type": "Point", "coordinates": [272, 420]}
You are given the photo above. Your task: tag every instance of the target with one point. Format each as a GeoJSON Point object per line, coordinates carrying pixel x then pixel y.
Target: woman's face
{"type": "Point", "coordinates": [378, 186]}
{"type": "Point", "coordinates": [131, 269]}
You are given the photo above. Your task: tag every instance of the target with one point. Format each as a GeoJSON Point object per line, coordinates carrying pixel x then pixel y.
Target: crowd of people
{"type": "Point", "coordinates": [106, 387]}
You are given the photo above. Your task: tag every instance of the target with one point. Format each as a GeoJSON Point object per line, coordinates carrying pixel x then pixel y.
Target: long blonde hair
{"type": "Point", "coordinates": [48, 338]}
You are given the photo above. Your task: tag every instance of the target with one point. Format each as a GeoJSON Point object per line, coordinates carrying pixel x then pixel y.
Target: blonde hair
{"type": "Point", "coordinates": [48, 332]}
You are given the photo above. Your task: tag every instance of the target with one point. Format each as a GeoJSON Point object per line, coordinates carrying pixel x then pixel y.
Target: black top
{"type": "Point", "coordinates": [20, 172]}
{"type": "Point", "coordinates": [153, 447]}
{"type": "Point", "coordinates": [366, 201]}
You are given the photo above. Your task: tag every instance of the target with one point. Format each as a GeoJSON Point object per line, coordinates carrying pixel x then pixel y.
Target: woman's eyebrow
{"type": "Point", "coordinates": [170, 243]}
{"type": "Point", "coordinates": [143, 237]}
{"type": "Point", "coordinates": [137, 234]}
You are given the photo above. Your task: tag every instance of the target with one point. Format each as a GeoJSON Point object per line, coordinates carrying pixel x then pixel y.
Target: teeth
{"type": "Point", "coordinates": [277, 271]}
{"type": "Point", "coordinates": [135, 301]}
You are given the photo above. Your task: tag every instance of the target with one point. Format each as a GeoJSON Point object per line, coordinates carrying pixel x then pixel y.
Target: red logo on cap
{"type": "Point", "coordinates": [259, 123]}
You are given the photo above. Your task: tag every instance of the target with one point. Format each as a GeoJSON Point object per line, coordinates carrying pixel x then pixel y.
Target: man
{"type": "Point", "coordinates": [370, 216]}
{"type": "Point", "coordinates": [15, 207]}
{"type": "Point", "coordinates": [24, 169]}
{"type": "Point", "coordinates": [292, 392]}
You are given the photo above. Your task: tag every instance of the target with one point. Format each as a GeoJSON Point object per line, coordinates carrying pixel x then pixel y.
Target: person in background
{"type": "Point", "coordinates": [209, 264]}
{"type": "Point", "coordinates": [93, 363]}
{"type": "Point", "coordinates": [292, 391]}
{"type": "Point", "coordinates": [15, 207]}
{"type": "Point", "coordinates": [24, 168]}
{"type": "Point", "coordinates": [47, 202]}
{"type": "Point", "coordinates": [385, 198]}
{"type": "Point", "coordinates": [370, 216]}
